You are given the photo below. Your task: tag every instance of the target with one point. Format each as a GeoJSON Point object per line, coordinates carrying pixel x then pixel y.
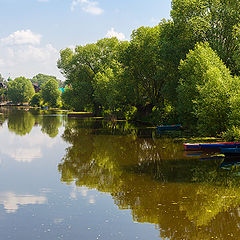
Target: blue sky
{"type": "Point", "coordinates": [33, 31]}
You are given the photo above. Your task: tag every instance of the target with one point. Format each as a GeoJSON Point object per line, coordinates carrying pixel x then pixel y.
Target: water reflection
{"type": "Point", "coordinates": [50, 125]}
{"type": "Point", "coordinates": [21, 122]}
{"type": "Point", "coordinates": [21, 145]}
{"type": "Point", "coordinates": [187, 198]}
{"type": "Point", "coordinates": [12, 201]}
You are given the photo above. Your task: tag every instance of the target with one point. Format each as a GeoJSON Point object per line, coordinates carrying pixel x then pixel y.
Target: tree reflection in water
{"type": "Point", "coordinates": [184, 198]}
{"type": "Point", "coordinates": [21, 121]}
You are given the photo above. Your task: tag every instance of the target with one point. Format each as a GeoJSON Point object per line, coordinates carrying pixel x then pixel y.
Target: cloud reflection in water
{"type": "Point", "coordinates": [11, 201]}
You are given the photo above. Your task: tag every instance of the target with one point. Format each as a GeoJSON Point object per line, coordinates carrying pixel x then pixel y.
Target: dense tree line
{"type": "Point", "coordinates": [21, 90]}
{"type": "Point", "coordinates": [183, 70]}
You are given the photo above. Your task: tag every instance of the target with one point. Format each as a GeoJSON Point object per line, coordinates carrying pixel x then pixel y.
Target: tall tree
{"type": "Point", "coordinates": [214, 21]}
{"type": "Point", "coordinates": [51, 93]}
{"type": "Point", "coordinates": [40, 79]}
{"type": "Point", "coordinates": [20, 90]}
{"type": "Point", "coordinates": [204, 90]}
{"type": "Point", "coordinates": [80, 68]}
{"type": "Point", "coordinates": [143, 68]}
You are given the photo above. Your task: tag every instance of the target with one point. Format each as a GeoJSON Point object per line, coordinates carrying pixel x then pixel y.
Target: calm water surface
{"type": "Point", "coordinates": [83, 179]}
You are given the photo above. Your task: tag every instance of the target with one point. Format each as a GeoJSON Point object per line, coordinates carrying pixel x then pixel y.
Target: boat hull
{"type": "Point", "coordinates": [231, 152]}
{"type": "Point", "coordinates": [169, 127]}
{"type": "Point", "coordinates": [210, 146]}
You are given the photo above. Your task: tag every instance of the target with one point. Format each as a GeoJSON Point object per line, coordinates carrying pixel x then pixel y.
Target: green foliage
{"type": "Point", "coordinates": [215, 21]}
{"type": "Point", "coordinates": [78, 98]}
{"type": "Point", "coordinates": [174, 43]}
{"type": "Point", "coordinates": [204, 90]}
{"type": "Point", "coordinates": [80, 69]}
{"type": "Point", "coordinates": [36, 100]}
{"type": "Point", "coordinates": [20, 90]}
{"type": "Point", "coordinates": [3, 94]}
{"type": "Point", "coordinates": [180, 67]}
{"type": "Point", "coordinates": [144, 72]}
{"type": "Point", "coordinates": [40, 79]}
{"type": "Point", "coordinates": [50, 93]}
{"type": "Point", "coordinates": [232, 134]}
{"type": "Point", "coordinates": [112, 91]}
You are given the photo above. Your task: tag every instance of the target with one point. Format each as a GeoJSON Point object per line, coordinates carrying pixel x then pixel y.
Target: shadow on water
{"type": "Point", "coordinates": [185, 197]}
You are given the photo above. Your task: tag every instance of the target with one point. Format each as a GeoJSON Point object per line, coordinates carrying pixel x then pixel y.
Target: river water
{"type": "Point", "coordinates": [86, 179]}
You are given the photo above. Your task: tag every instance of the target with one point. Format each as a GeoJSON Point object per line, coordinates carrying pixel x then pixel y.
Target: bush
{"type": "Point", "coordinates": [36, 100]}
{"type": "Point", "coordinates": [232, 134]}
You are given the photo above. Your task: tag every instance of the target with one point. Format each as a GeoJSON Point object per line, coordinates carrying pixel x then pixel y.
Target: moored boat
{"type": "Point", "coordinates": [192, 146]}
{"type": "Point", "coordinates": [169, 127]}
{"type": "Point", "coordinates": [210, 146]}
{"type": "Point", "coordinates": [219, 146]}
{"type": "Point", "coordinates": [231, 152]}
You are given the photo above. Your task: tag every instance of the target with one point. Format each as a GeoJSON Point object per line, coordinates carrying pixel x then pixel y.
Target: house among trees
{"type": "Point", "coordinates": [36, 87]}
{"type": "Point", "coordinates": [2, 85]}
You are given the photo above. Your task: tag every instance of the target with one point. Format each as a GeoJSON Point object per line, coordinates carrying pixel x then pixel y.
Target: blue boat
{"type": "Point", "coordinates": [231, 152]}
{"type": "Point", "coordinates": [169, 127]}
{"type": "Point", "coordinates": [210, 146]}
{"type": "Point", "coordinates": [219, 146]}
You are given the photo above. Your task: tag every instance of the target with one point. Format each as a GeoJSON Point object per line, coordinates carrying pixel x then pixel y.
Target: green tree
{"type": "Point", "coordinates": [204, 90]}
{"type": "Point", "coordinates": [215, 21]}
{"type": "Point", "coordinates": [40, 79]}
{"type": "Point", "coordinates": [143, 69]}
{"type": "Point", "coordinates": [50, 93]}
{"type": "Point", "coordinates": [112, 89]}
{"type": "Point", "coordinates": [20, 90]}
{"type": "Point", "coordinates": [80, 68]}
{"type": "Point", "coordinates": [36, 100]}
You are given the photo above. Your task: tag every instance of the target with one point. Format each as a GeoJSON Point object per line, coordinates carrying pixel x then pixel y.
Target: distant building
{"type": "Point", "coordinates": [2, 85]}
{"type": "Point", "coordinates": [36, 87]}
{"type": "Point", "coordinates": [62, 89]}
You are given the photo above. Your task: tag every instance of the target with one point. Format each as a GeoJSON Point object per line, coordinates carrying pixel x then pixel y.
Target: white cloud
{"type": "Point", "coordinates": [22, 54]}
{"type": "Point", "coordinates": [113, 33]}
{"type": "Point", "coordinates": [11, 201]}
{"type": "Point", "coordinates": [31, 53]}
{"type": "Point", "coordinates": [87, 6]}
{"type": "Point", "coordinates": [22, 37]}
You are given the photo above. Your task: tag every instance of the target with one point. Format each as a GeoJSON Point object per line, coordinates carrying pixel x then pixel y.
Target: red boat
{"type": "Point", "coordinates": [192, 146]}
{"type": "Point", "coordinates": [210, 146]}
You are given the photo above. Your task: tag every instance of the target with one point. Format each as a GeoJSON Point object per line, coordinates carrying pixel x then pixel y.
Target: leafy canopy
{"type": "Point", "coordinates": [20, 90]}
